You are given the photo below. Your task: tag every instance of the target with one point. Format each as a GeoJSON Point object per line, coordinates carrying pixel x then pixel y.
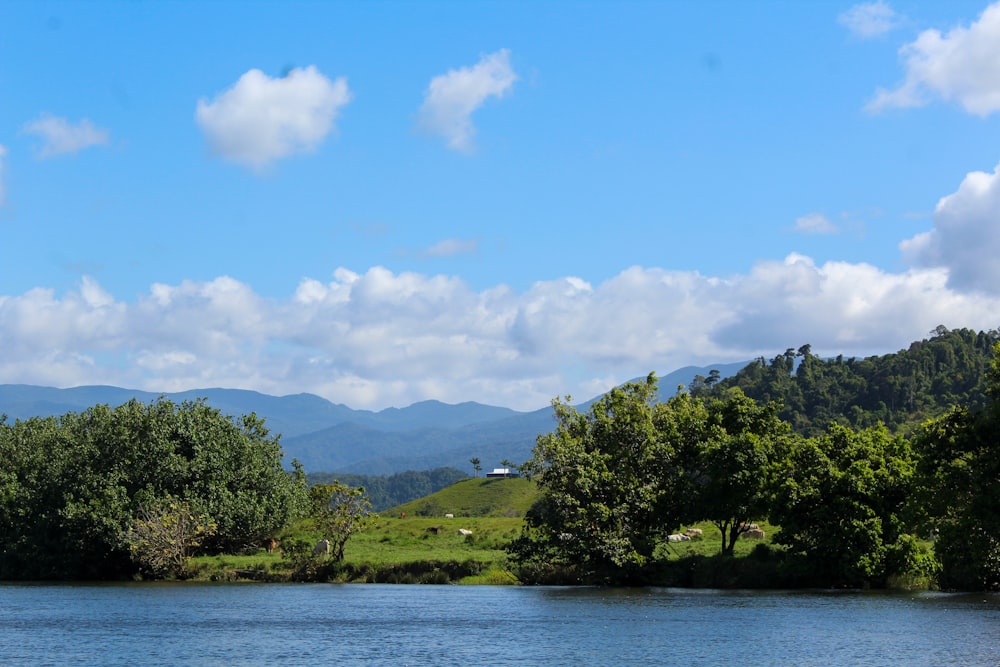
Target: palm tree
{"type": "Point", "coordinates": [475, 466]}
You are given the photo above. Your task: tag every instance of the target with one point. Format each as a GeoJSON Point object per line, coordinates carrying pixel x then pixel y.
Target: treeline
{"type": "Point", "coordinates": [900, 390]}
{"type": "Point", "coordinates": [110, 492]}
{"type": "Point", "coordinates": [385, 491]}
{"type": "Point", "coordinates": [856, 507]}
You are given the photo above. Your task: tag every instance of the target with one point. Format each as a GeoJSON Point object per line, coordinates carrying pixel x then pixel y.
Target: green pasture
{"type": "Point", "coordinates": [420, 536]}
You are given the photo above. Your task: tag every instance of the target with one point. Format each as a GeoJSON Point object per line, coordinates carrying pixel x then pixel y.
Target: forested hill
{"type": "Point", "coordinates": [901, 390]}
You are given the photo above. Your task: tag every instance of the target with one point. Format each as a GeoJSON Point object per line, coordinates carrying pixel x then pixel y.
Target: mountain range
{"type": "Point", "coordinates": [331, 437]}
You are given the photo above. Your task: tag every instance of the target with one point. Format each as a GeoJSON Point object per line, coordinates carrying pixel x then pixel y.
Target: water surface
{"type": "Point", "coordinates": [311, 624]}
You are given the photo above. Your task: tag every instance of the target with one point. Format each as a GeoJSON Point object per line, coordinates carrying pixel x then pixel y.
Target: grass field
{"type": "Point", "coordinates": [417, 542]}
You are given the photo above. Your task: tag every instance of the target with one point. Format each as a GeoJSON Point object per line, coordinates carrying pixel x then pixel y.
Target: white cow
{"type": "Point", "coordinates": [449, 516]}
{"type": "Point", "coordinates": [678, 538]}
{"type": "Point", "coordinates": [464, 531]}
{"type": "Point", "coordinates": [754, 534]}
{"type": "Point", "coordinates": [322, 548]}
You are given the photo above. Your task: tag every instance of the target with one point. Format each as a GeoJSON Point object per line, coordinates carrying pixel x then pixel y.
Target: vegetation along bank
{"type": "Point", "coordinates": [792, 473]}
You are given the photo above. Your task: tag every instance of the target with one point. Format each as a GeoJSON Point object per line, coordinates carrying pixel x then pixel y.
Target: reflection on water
{"type": "Point", "coordinates": [253, 624]}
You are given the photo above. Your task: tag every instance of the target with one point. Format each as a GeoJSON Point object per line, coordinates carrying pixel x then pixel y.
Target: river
{"type": "Point", "coordinates": [368, 624]}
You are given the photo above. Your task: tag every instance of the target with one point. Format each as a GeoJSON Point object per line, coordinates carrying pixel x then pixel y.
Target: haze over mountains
{"type": "Point", "coordinates": [329, 437]}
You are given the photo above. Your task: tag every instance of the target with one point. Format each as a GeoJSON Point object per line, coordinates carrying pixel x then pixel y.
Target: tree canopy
{"type": "Point", "coordinates": [900, 390]}
{"type": "Point", "coordinates": [853, 505]}
{"type": "Point", "coordinates": [617, 480]}
{"type": "Point", "coordinates": [71, 488]}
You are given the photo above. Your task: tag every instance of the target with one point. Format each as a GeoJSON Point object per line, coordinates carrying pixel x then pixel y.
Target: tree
{"type": "Point", "coordinates": [164, 534]}
{"type": "Point", "coordinates": [475, 466]}
{"type": "Point", "coordinates": [613, 482]}
{"type": "Point", "coordinates": [841, 501]}
{"type": "Point", "coordinates": [960, 485]}
{"type": "Point", "coordinates": [76, 484]}
{"type": "Point", "coordinates": [339, 511]}
{"type": "Point", "coordinates": [734, 460]}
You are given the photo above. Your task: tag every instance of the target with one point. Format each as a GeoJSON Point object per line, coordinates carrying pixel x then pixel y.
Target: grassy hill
{"type": "Point", "coordinates": [500, 497]}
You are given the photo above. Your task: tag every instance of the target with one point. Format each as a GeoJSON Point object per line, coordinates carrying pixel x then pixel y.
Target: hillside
{"type": "Point", "coordinates": [478, 497]}
{"type": "Point", "coordinates": [901, 389]}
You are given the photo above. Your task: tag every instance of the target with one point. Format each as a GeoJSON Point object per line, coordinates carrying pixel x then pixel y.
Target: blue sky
{"type": "Point", "coordinates": [388, 202]}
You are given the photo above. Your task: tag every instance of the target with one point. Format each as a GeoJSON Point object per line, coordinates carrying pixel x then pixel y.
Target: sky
{"type": "Point", "coordinates": [503, 202]}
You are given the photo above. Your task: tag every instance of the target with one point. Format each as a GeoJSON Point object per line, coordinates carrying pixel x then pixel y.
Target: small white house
{"type": "Point", "coordinates": [502, 472]}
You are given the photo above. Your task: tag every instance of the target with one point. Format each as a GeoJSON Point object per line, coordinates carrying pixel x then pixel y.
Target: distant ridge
{"type": "Point", "coordinates": [331, 437]}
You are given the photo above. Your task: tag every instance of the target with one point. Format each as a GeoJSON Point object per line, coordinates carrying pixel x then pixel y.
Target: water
{"type": "Point", "coordinates": [366, 624]}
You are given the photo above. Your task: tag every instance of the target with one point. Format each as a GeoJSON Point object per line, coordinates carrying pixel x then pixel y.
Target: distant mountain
{"type": "Point", "coordinates": [330, 437]}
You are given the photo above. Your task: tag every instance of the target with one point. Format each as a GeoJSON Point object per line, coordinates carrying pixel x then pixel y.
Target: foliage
{"type": "Point", "coordinates": [960, 489]}
{"type": "Point", "coordinates": [72, 487]}
{"type": "Point", "coordinates": [840, 500]}
{"type": "Point", "coordinates": [338, 511]}
{"type": "Point", "coordinates": [388, 491]}
{"type": "Point", "coordinates": [900, 390]}
{"type": "Point", "coordinates": [613, 481]}
{"type": "Point", "coordinates": [163, 536]}
{"type": "Point", "coordinates": [732, 466]}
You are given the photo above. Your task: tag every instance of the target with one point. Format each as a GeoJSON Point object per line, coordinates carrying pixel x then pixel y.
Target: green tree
{"type": "Point", "coordinates": [733, 464]}
{"type": "Point", "coordinates": [339, 511]}
{"type": "Point", "coordinates": [960, 484]}
{"type": "Point", "coordinates": [72, 487]}
{"type": "Point", "coordinates": [475, 466]}
{"type": "Point", "coordinates": [612, 482]}
{"type": "Point", "coordinates": [841, 500]}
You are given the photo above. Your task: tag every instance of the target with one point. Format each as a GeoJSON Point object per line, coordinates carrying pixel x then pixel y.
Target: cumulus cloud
{"type": "Point", "coordinates": [261, 119]}
{"type": "Point", "coordinates": [379, 338]}
{"type": "Point", "coordinates": [815, 223]}
{"type": "Point", "coordinates": [869, 19]}
{"type": "Point", "coordinates": [451, 98]}
{"type": "Point", "coordinates": [59, 136]}
{"type": "Point", "coordinates": [965, 239]}
{"type": "Point", "coordinates": [962, 65]}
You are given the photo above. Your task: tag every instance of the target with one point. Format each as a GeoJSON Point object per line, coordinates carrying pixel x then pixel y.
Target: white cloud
{"type": "Point", "coordinates": [451, 98]}
{"type": "Point", "coordinates": [962, 65]}
{"type": "Point", "coordinates": [966, 235]}
{"type": "Point", "coordinates": [869, 19]}
{"type": "Point", "coordinates": [451, 247]}
{"type": "Point", "coordinates": [3, 189]}
{"type": "Point", "coordinates": [379, 338]}
{"type": "Point", "coordinates": [261, 119]}
{"type": "Point", "coordinates": [61, 137]}
{"type": "Point", "coordinates": [815, 223]}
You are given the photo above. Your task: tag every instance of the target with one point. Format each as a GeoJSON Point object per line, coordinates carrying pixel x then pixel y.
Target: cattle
{"type": "Point", "coordinates": [449, 516]}
{"type": "Point", "coordinates": [694, 532]}
{"type": "Point", "coordinates": [270, 544]}
{"type": "Point", "coordinates": [678, 538]}
{"type": "Point", "coordinates": [464, 531]}
{"type": "Point", "coordinates": [754, 534]}
{"type": "Point", "coordinates": [322, 548]}
{"type": "Point", "coordinates": [434, 530]}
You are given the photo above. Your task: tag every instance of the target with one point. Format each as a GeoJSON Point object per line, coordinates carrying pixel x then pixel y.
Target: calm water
{"type": "Point", "coordinates": [321, 624]}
